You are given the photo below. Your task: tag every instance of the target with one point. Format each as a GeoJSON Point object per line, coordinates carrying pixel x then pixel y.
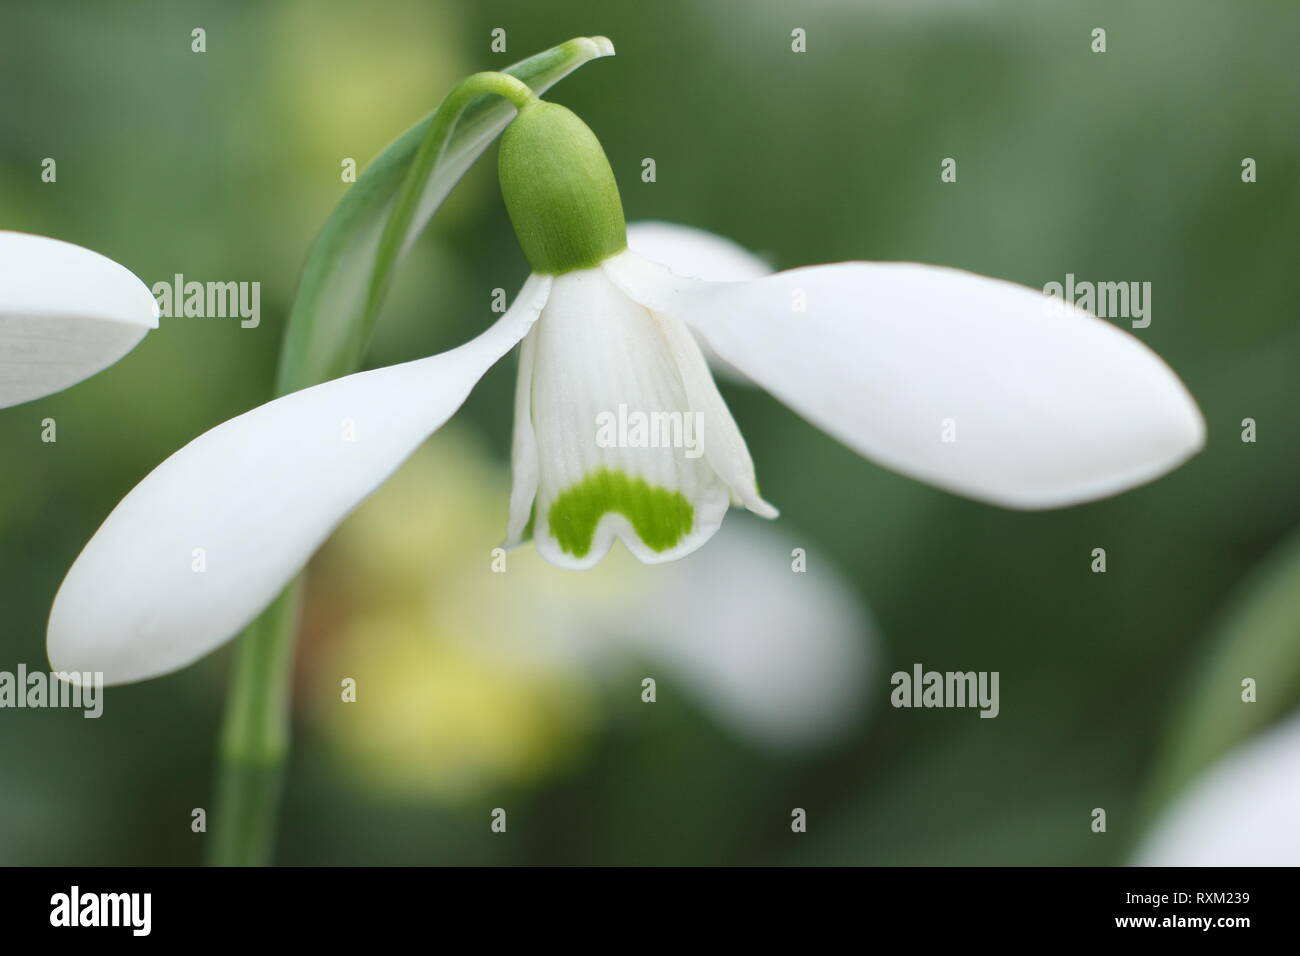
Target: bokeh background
{"type": "Point", "coordinates": [1116, 166]}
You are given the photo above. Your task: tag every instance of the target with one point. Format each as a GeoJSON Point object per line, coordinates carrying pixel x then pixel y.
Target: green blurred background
{"type": "Point", "coordinates": [1115, 166]}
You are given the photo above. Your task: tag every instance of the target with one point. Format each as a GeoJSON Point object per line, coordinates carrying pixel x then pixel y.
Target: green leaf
{"type": "Point", "coordinates": [334, 311]}
{"type": "Point", "coordinates": [1258, 637]}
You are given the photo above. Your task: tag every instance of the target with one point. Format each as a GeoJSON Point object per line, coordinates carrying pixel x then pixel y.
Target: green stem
{"type": "Point", "coordinates": [397, 229]}
{"type": "Point", "coordinates": [255, 737]}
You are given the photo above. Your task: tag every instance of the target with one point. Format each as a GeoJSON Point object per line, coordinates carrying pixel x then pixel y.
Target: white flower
{"type": "Point", "coordinates": [970, 383]}
{"type": "Point", "coordinates": [1050, 410]}
{"type": "Point", "coordinates": [1241, 812]}
{"type": "Point", "coordinates": [65, 314]}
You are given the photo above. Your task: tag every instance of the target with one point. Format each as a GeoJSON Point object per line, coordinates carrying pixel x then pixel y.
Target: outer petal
{"type": "Point", "coordinates": [979, 386]}
{"type": "Point", "coordinates": [694, 252]}
{"type": "Point", "coordinates": [257, 494]}
{"type": "Point", "coordinates": [65, 314]}
{"type": "Point", "coordinates": [1241, 813]}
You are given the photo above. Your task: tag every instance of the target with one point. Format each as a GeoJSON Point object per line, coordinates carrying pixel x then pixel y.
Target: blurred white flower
{"type": "Point", "coordinates": [1240, 812]}
{"type": "Point", "coordinates": [777, 656]}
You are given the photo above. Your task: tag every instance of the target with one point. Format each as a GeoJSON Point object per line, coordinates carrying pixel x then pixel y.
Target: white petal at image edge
{"type": "Point", "coordinates": [65, 314]}
{"type": "Point", "coordinates": [1241, 812]}
{"type": "Point", "coordinates": [258, 494]}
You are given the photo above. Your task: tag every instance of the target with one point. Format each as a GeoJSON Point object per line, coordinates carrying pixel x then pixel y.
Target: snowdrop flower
{"type": "Point", "coordinates": [65, 314]}
{"type": "Point", "coordinates": [1047, 408]}
{"type": "Point", "coordinates": [1241, 812]}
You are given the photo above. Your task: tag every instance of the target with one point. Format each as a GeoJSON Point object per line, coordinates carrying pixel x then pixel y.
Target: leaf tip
{"type": "Point", "coordinates": [603, 45]}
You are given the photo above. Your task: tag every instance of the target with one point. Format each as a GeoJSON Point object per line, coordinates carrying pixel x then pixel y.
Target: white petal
{"type": "Point", "coordinates": [778, 657]}
{"type": "Point", "coordinates": [723, 445]}
{"type": "Point", "coordinates": [694, 253]}
{"type": "Point", "coordinates": [523, 449]}
{"type": "Point", "coordinates": [601, 360]}
{"type": "Point", "coordinates": [657, 287]}
{"type": "Point", "coordinates": [65, 314]}
{"type": "Point", "coordinates": [1242, 812]}
{"type": "Point", "coordinates": [258, 494]}
{"type": "Point", "coordinates": [985, 388]}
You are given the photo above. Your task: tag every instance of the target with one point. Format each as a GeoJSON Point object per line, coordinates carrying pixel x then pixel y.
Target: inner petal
{"type": "Point", "coordinates": [621, 452]}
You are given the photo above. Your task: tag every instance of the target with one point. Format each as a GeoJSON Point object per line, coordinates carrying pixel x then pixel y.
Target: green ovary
{"type": "Point", "coordinates": [661, 518]}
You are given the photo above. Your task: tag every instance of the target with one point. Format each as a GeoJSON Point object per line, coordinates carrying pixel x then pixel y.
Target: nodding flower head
{"type": "Point", "coordinates": [973, 384]}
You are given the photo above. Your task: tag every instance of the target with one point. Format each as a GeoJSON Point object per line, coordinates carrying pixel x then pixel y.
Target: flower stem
{"type": "Point", "coordinates": [255, 737]}
{"type": "Point", "coordinates": [398, 228]}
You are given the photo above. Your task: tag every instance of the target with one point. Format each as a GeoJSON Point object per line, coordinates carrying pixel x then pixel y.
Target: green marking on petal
{"type": "Point", "coordinates": [660, 517]}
